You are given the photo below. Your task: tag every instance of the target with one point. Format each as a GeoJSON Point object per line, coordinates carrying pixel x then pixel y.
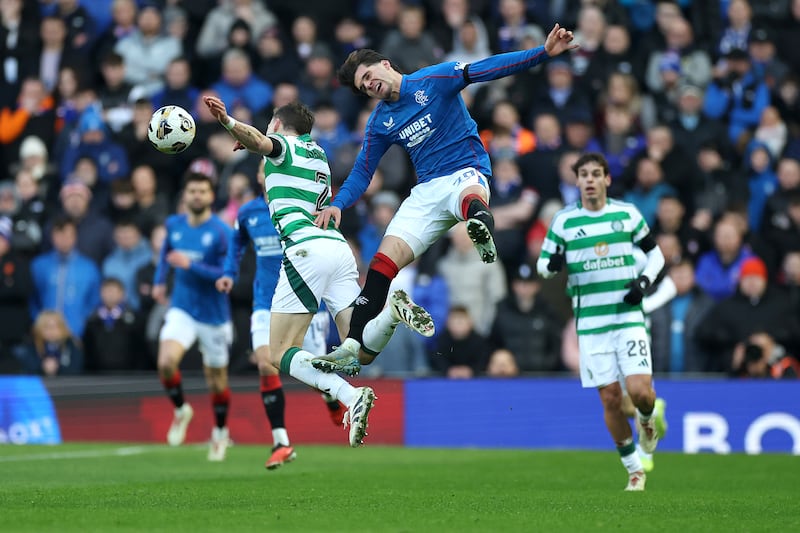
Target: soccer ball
{"type": "Point", "coordinates": [171, 129]}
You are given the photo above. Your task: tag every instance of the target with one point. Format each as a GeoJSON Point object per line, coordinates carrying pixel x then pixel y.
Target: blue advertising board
{"type": "Point", "coordinates": [704, 416]}
{"type": "Point", "coordinates": [27, 415]}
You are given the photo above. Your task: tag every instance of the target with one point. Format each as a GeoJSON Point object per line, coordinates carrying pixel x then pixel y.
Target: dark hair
{"type": "Point", "coordinates": [62, 221]}
{"type": "Point", "coordinates": [591, 157]}
{"type": "Point", "coordinates": [113, 281]}
{"type": "Point", "coordinates": [113, 59]}
{"type": "Point", "coordinates": [366, 56]}
{"type": "Point", "coordinates": [295, 116]}
{"type": "Point", "coordinates": [194, 177]}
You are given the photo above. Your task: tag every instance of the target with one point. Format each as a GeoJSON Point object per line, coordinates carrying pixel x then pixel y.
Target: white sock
{"type": "Point", "coordinates": [280, 436]}
{"type": "Point", "coordinates": [333, 384]}
{"type": "Point", "coordinates": [643, 453]}
{"type": "Point", "coordinates": [379, 330]}
{"type": "Point", "coordinates": [632, 463]}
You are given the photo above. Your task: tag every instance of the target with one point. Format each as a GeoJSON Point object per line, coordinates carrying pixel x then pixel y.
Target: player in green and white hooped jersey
{"type": "Point", "coordinates": [318, 263]}
{"type": "Point", "coordinates": [594, 239]}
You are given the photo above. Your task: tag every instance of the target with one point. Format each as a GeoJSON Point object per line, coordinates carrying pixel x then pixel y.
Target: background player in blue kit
{"type": "Point", "coordinates": [253, 224]}
{"type": "Point", "coordinates": [423, 112]}
{"type": "Point", "coordinates": [195, 247]}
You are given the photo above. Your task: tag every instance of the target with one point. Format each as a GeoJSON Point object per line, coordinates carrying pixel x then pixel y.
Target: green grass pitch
{"type": "Point", "coordinates": [117, 487]}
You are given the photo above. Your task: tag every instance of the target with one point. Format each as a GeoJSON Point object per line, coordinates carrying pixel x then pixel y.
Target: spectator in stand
{"type": "Point", "coordinates": [383, 207]}
{"type": "Point", "coordinates": [115, 93]}
{"type": "Point", "coordinates": [690, 127]}
{"type": "Point", "coordinates": [29, 218]}
{"type": "Point", "coordinates": [277, 60]}
{"type": "Point", "coordinates": [19, 32]}
{"type": "Point", "coordinates": [55, 53]}
{"type": "Point", "coordinates": [525, 325]}
{"type": "Point", "coordinates": [476, 285]}
{"type": "Point", "coordinates": [239, 86]}
{"type": "Point", "coordinates": [448, 21]}
{"type": "Point", "coordinates": [178, 89]}
{"type": "Point", "coordinates": [510, 29]}
{"type": "Point", "coordinates": [539, 168]}
{"type": "Point", "coordinates": [306, 39]}
{"type": "Point", "coordinates": [213, 38]}
{"type": "Point", "coordinates": [673, 325]}
{"type": "Point", "coordinates": [350, 34]}
{"type": "Point", "coordinates": [507, 133]}
{"type": "Point", "coordinates": [64, 279]}
{"type": "Point", "coordinates": [671, 219]}
{"type": "Point", "coordinates": [578, 129]}
{"type": "Point", "coordinates": [462, 353]}
{"type": "Point", "coordinates": [764, 56]}
{"type": "Point", "coordinates": [111, 341]}
{"type": "Point", "coordinates": [755, 307]}
{"type": "Point", "coordinates": [648, 188]}
{"type": "Point", "coordinates": [502, 365]}
{"type": "Point", "coordinates": [761, 357]}
{"type": "Point", "coordinates": [152, 207]}
{"type": "Point", "coordinates": [318, 83]}
{"type": "Point", "coordinates": [693, 63]}
{"type": "Point", "coordinates": [96, 144]}
{"type": "Point", "coordinates": [615, 55]}
{"type": "Point", "coordinates": [721, 183]}
{"type": "Point", "coordinates": [94, 230]}
{"type": "Point", "coordinates": [718, 270]}
{"type": "Point", "coordinates": [131, 252]}
{"type": "Point", "coordinates": [240, 191]}
{"type": "Point", "coordinates": [123, 24]}
{"type": "Point", "coordinates": [33, 114]}
{"type": "Point", "coordinates": [513, 203]}
{"type": "Point", "coordinates": [15, 287]}
{"type": "Point", "coordinates": [329, 130]}
{"type": "Point", "coordinates": [411, 46]}
{"type": "Point", "coordinates": [736, 95]}
{"type": "Point", "coordinates": [385, 20]}
{"type": "Point", "coordinates": [772, 131]}
{"type": "Point", "coordinates": [761, 179]}
{"type": "Point", "coordinates": [151, 313]}
{"type": "Point", "coordinates": [147, 51]}
{"type": "Point", "coordinates": [54, 351]}
{"type": "Point", "coordinates": [589, 31]}
{"type": "Point", "coordinates": [737, 32]}
{"type": "Point", "coordinates": [561, 92]}
{"type": "Point", "coordinates": [782, 232]}
{"type": "Point", "coordinates": [81, 26]}
{"type": "Point", "coordinates": [619, 142]}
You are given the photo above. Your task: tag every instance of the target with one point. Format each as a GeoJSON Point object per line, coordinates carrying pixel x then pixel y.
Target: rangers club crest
{"type": "Point", "coordinates": [421, 97]}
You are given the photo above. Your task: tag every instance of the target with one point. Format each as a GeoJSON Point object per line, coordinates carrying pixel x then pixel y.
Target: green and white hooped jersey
{"type": "Point", "coordinates": [599, 253]}
{"type": "Point", "coordinates": [297, 184]}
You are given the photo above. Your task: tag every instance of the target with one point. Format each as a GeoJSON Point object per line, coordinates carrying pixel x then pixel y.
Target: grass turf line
{"type": "Point", "coordinates": [330, 488]}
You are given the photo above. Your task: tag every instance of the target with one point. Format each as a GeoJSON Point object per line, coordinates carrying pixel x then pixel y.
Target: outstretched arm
{"type": "Point", "coordinates": [501, 65]}
{"type": "Point", "coordinates": [247, 135]}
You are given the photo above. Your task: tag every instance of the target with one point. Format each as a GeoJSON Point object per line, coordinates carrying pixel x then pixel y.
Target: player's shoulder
{"type": "Point", "coordinates": [615, 204]}
{"type": "Point", "coordinates": [219, 225]}
{"type": "Point", "coordinates": [178, 219]}
{"type": "Point", "coordinates": [454, 69]}
{"type": "Point", "coordinates": [565, 212]}
{"type": "Point", "coordinates": [256, 205]}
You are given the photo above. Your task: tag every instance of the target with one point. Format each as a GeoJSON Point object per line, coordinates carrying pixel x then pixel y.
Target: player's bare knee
{"type": "Point", "coordinates": [611, 396]}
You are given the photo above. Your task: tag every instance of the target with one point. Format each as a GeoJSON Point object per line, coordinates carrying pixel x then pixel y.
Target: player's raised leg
{"type": "Point", "coordinates": [349, 357]}
{"type": "Point", "coordinates": [480, 221]}
{"type": "Point", "coordinates": [177, 333]}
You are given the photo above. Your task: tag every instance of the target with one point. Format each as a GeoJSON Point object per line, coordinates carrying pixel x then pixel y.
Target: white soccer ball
{"type": "Point", "coordinates": [171, 129]}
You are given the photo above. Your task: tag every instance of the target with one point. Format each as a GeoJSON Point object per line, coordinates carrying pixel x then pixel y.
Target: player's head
{"type": "Point", "coordinates": [198, 193]}
{"type": "Point", "coordinates": [369, 72]}
{"type": "Point", "coordinates": [594, 179]}
{"type": "Point", "coordinates": [292, 117]}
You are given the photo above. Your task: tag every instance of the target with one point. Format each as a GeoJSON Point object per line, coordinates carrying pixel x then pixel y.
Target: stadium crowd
{"type": "Point", "coordinates": [695, 104]}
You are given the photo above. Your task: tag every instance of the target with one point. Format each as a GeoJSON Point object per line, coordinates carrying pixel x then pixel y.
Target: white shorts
{"type": "Point", "coordinates": [608, 357]}
{"type": "Point", "coordinates": [313, 271]}
{"type": "Point", "coordinates": [432, 208]}
{"type": "Point", "coordinates": [314, 342]}
{"type": "Point", "coordinates": [214, 339]}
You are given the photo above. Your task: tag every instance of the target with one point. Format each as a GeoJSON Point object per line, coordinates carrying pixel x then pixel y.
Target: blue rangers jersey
{"type": "Point", "coordinates": [431, 122]}
{"type": "Point", "coordinates": [194, 290]}
{"type": "Point", "coordinates": [253, 224]}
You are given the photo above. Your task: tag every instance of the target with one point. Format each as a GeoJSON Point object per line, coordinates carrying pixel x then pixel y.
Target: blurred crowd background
{"type": "Point", "coordinates": [695, 103]}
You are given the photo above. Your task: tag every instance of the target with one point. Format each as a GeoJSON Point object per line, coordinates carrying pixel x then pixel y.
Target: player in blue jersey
{"type": "Point", "coordinates": [253, 224]}
{"type": "Point", "coordinates": [195, 248]}
{"type": "Point", "coordinates": [423, 112]}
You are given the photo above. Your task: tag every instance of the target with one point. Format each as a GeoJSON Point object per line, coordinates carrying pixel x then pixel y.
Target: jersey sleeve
{"type": "Point", "coordinates": [640, 228]}
{"type": "Point", "coordinates": [448, 77]}
{"type": "Point", "coordinates": [372, 150]}
{"type": "Point", "coordinates": [162, 268]}
{"type": "Point", "coordinates": [275, 137]}
{"type": "Point", "coordinates": [240, 238]}
{"type": "Point", "coordinates": [502, 65]}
